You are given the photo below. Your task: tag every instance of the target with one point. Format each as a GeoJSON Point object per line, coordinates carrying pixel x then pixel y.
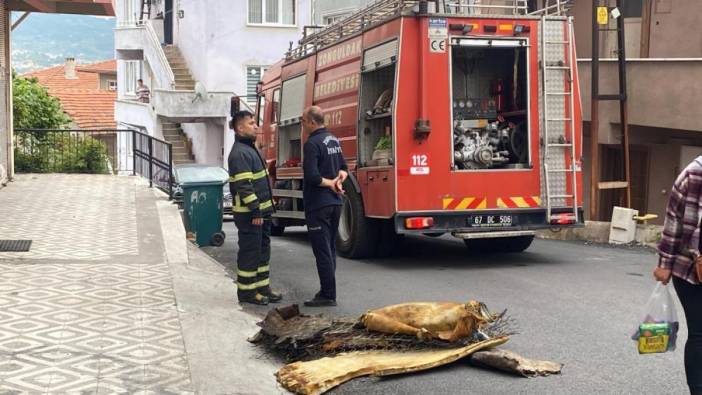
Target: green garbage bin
{"type": "Point", "coordinates": [202, 201]}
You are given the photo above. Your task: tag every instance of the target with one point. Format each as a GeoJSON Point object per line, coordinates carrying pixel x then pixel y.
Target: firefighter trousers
{"type": "Point", "coordinates": [252, 260]}
{"type": "Point", "coordinates": [322, 225]}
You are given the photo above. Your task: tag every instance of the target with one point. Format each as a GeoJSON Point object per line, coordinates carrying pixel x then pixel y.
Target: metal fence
{"type": "Point", "coordinates": [95, 151]}
{"type": "Point", "coordinates": [153, 159]}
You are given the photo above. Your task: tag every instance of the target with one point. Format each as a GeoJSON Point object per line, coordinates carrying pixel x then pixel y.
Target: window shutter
{"type": "Point", "coordinates": [254, 74]}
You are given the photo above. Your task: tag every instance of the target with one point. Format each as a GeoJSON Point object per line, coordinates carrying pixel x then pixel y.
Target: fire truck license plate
{"type": "Point", "coordinates": [491, 221]}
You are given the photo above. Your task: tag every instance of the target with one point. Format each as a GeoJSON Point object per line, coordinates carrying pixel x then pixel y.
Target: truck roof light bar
{"type": "Point", "coordinates": [519, 29]}
{"type": "Point", "coordinates": [482, 42]}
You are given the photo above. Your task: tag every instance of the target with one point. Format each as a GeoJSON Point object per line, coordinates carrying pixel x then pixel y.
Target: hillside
{"type": "Point", "coordinates": [45, 40]}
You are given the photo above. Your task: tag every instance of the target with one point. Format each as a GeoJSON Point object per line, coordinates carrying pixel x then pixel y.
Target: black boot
{"type": "Point", "coordinates": [273, 296]}
{"type": "Point", "coordinates": [320, 301]}
{"type": "Point", "coordinates": [256, 299]}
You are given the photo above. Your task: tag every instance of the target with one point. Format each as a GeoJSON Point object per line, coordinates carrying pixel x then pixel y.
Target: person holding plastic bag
{"type": "Point", "coordinates": [679, 259]}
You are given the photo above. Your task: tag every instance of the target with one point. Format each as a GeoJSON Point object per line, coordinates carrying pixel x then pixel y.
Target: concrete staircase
{"type": "Point", "coordinates": [173, 134]}
{"type": "Point", "coordinates": [183, 79]}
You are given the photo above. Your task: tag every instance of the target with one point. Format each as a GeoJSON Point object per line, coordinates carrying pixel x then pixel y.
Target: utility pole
{"type": "Point", "coordinates": [600, 17]}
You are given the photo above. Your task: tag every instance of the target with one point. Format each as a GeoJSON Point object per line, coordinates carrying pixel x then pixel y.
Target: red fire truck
{"type": "Point", "coordinates": [459, 117]}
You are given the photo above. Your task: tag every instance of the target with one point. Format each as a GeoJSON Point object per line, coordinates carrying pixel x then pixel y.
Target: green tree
{"type": "Point", "coordinates": [34, 108]}
{"type": "Point", "coordinates": [41, 151]}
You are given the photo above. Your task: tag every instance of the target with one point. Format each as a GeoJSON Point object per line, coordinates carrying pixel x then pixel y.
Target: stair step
{"type": "Point", "coordinates": [183, 162]}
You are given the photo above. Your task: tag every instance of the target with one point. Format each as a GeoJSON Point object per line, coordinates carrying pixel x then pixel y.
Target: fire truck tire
{"type": "Point", "coordinates": [499, 244]}
{"type": "Point", "coordinates": [357, 235]}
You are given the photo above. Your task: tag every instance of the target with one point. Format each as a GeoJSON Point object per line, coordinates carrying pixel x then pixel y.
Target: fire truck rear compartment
{"type": "Point", "coordinates": [375, 123]}
{"type": "Point", "coordinates": [489, 104]}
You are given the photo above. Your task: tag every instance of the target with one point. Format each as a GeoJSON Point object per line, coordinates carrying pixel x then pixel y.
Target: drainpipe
{"type": "Point", "coordinates": [422, 127]}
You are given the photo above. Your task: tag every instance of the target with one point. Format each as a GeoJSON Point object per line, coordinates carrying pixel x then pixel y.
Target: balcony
{"type": "Point", "coordinates": [142, 43]}
{"type": "Point", "coordinates": [188, 106]}
{"type": "Point", "coordinates": [132, 112]}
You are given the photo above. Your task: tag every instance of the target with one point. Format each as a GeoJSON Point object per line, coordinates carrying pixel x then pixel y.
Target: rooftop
{"type": "Point", "coordinates": [81, 97]}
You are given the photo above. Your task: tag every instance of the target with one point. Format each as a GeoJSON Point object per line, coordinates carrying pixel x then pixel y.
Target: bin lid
{"type": "Point", "coordinates": [200, 175]}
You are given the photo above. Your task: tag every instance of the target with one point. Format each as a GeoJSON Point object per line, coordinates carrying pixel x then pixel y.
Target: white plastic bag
{"type": "Point", "coordinates": [660, 309]}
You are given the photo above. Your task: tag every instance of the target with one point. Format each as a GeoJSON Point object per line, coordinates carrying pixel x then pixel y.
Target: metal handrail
{"type": "Point", "coordinates": [383, 10]}
{"type": "Point", "coordinates": [160, 54]}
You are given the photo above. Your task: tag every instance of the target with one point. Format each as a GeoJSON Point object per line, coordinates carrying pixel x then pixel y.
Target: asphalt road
{"type": "Point", "coordinates": [573, 303]}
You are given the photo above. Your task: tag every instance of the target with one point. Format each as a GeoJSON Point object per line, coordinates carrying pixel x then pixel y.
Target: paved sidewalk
{"type": "Point", "coordinates": [110, 298]}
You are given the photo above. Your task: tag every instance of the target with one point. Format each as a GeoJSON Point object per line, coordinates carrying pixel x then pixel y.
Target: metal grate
{"type": "Point", "coordinates": [15, 245]}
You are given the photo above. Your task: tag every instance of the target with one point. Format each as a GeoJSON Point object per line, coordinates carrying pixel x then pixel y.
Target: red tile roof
{"type": "Point", "coordinates": [81, 98]}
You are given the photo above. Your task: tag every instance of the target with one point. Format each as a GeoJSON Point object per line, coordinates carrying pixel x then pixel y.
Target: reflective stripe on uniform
{"type": "Point", "coordinates": [239, 209]}
{"type": "Point", "coordinates": [260, 174]}
{"type": "Point", "coordinates": [263, 283]}
{"type": "Point", "coordinates": [264, 269]}
{"type": "Point", "coordinates": [249, 199]}
{"type": "Point", "coordinates": [247, 287]}
{"type": "Point", "coordinates": [247, 175]}
{"type": "Point", "coordinates": [242, 273]}
{"type": "Point", "coordinates": [265, 204]}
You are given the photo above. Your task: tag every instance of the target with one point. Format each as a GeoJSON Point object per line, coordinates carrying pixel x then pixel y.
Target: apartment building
{"type": "Point", "coordinates": [664, 80]}
{"type": "Point", "coordinates": [194, 55]}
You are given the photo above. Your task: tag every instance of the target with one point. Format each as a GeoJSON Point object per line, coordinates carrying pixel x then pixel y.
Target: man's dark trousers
{"type": "Point", "coordinates": [322, 225]}
{"type": "Point", "coordinates": [253, 257]}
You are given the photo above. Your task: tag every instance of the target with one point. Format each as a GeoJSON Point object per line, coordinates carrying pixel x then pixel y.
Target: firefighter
{"type": "Point", "coordinates": [324, 173]}
{"type": "Point", "coordinates": [252, 208]}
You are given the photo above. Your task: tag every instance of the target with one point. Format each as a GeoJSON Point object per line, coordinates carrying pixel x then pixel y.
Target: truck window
{"type": "Point", "coordinates": [275, 104]}
{"type": "Point", "coordinates": [289, 128]}
{"type": "Point", "coordinates": [260, 108]}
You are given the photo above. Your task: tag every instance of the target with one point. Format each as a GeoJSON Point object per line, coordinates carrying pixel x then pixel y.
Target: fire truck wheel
{"type": "Point", "coordinates": [499, 244]}
{"type": "Point", "coordinates": [357, 234]}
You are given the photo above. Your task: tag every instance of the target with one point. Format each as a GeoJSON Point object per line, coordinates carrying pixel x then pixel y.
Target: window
{"type": "Point", "coordinates": [332, 19]}
{"type": "Point", "coordinates": [276, 106]}
{"type": "Point", "coordinates": [111, 85]}
{"type": "Point", "coordinates": [260, 109]}
{"type": "Point", "coordinates": [130, 12]}
{"type": "Point", "coordinates": [272, 12]}
{"type": "Point", "coordinates": [133, 71]}
{"type": "Point", "coordinates": [253, 76]}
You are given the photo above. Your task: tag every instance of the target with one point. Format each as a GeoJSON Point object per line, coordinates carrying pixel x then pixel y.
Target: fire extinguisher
{"type": "Point", "coordinates": [498, 92]}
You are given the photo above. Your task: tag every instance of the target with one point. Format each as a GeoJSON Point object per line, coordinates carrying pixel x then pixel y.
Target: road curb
{"type": "Point", "coordinates": [214, 325]}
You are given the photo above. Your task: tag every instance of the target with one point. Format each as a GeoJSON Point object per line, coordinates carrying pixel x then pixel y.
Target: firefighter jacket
{"type": "Point", "coordinates": [248, 180]}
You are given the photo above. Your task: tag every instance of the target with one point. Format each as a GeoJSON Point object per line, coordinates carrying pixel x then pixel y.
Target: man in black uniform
{"type": "Point", "coordinates": [252, 207]}
{"type": "Point", "coordinates": [324, 173]}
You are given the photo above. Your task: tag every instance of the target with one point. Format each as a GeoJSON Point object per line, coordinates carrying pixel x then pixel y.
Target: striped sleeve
{"type": "Point", "coordinates": [671, 238]}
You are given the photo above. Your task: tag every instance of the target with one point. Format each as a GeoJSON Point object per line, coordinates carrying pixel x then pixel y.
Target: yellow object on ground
{"type": "Point", "coordinates": [318, 376]}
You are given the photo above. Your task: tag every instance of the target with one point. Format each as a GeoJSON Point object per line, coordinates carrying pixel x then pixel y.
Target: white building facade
{"type": "Point", "coordinates": [194, 55]}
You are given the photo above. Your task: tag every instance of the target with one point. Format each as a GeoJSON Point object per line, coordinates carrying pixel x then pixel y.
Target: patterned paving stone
{"type": "Point", "coordinates": [74, 316]}
{"type": "Point", "coordinates": [38, 207]}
